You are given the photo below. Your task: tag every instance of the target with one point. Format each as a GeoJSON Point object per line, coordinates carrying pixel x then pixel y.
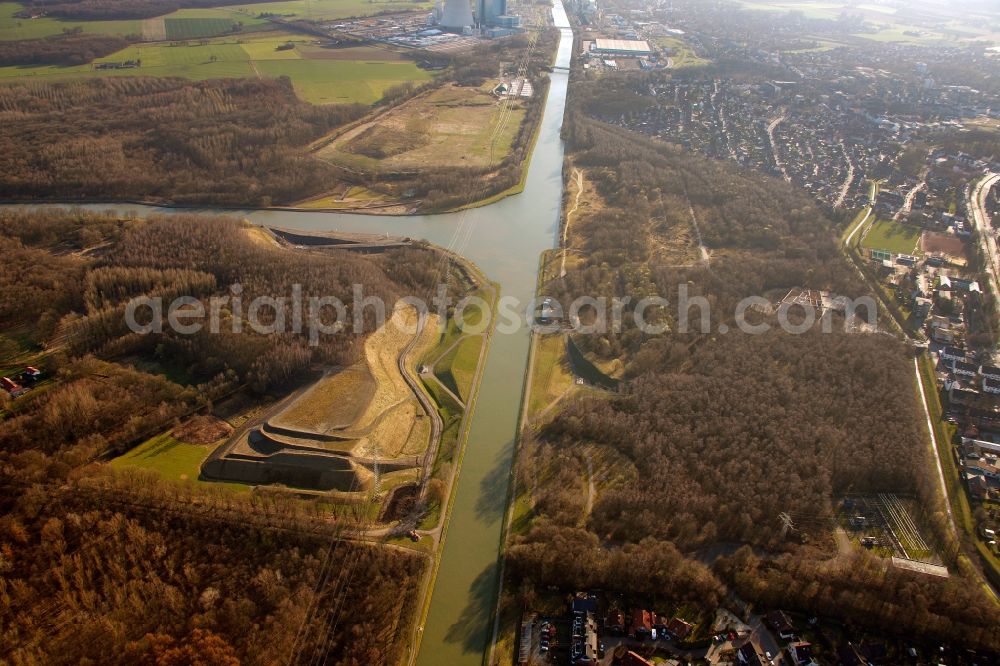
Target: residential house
{"type": "Point", "coordinates": [679, 629]}
{"type": "Point", "coordinates": [781, 623]}
{"type": "Point", "coordinates": [801, 653]}
{"type": "Point", "coordinates": [951, 354]}
{"type": "Point", "coordinates": [642, 624]}
{"type": "Point", "coordinates": [633, 659]}
{"type": "Point", "coordinates": [748, 655]}
{"type": "Point", "coordinates": [978, 488]}
{"type": "Point", "coordinates": [614, 621]}
{"type": "Point", "coordinates": [12, 387]}
{"type": "Point", "coordinates": [963, 370]}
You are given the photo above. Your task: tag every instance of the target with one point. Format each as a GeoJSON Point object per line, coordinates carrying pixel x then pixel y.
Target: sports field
{"type": "Point", "coordinates": [361, 76]}
{"type": "Point", "coordinates": [893, 236]}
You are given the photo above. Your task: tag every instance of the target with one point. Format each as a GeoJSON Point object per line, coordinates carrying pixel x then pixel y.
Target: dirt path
{"type": "Point", "coordinates": [569, 218]}
{"type": "Point", "coordinates": [702, 250]}
{"type": "Point", "coordinates": [591, 486]}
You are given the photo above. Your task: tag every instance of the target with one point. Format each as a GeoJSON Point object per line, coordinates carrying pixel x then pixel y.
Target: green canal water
{"type": "Point", "coordinates": [505, 240]}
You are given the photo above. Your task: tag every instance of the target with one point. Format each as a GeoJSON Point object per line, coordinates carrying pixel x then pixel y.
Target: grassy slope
{"type": "Point", "coordinates": [457, 368]}
{"type": "Point", "coordinates": [173, 460]}
{"type": "Point", "coordinates": [551, 377]}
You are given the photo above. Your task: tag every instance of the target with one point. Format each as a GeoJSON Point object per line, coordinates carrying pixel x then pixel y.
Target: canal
{"type": "Point", "coordinates": [505, 240]}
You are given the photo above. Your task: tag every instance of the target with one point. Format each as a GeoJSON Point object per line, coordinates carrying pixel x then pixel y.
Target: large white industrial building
{"type": "Point", "coordinates": [621, 47]}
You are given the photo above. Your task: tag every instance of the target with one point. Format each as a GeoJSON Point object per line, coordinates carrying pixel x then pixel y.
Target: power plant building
{"type": "Point", "coordinates": [456, 15]}
{"type": "Point", "coordinates": [488, 11]}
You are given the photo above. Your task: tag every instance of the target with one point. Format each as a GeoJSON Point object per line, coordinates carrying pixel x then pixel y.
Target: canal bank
{"type": "Point", "coordinates": [505, 240]}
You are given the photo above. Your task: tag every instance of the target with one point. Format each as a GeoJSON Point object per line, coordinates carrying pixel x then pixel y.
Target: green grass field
{"type": "Point", "coordinates": [319, 81]}
{"type": "Point", "coordinates": [457, 368]}
{"type": "Point", "coordinates": [173, 460]}
{"type": "Point", "coordinates": [328, 9]}
{"type": "Point", "coordinates": [249, 15]}
{"type": "Point", "coordinates": [893, 236]}
{"type": "Point", "coordinates": [551, 375]}
{"type": "Point", "coordinates": [197, 28]}
{"type": "Point", "coordinates": [891, 24]}
{"type": "Point", "coordinates": [681, 53]}
{"type": "Point", "coordinates": [18, 28]}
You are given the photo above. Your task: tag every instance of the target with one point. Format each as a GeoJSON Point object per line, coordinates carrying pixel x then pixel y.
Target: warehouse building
{"type": "Point", "coordinates": [635, 48]}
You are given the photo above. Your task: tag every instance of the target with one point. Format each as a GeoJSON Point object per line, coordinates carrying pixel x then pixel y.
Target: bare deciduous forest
{"type": "Point", "coordinates": [72, 48]}
{"type": "Point", "coordinates": [118, 566]}
{"type": "Point", "coordinates": [713, 435]}
{"type": "Point", "coordinates": [225, 141]}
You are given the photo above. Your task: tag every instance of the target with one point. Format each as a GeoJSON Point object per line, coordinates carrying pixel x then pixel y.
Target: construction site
{"type": "Point", "coordinates": [356, 430]}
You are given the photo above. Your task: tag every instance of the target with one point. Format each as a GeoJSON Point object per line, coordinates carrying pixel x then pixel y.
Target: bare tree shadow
{"type": "Point", "coordinates": [473, 628]}
{"type": "Point", "coordinates": [491, 503]}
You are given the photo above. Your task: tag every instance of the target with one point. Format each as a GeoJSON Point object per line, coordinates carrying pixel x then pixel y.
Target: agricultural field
{"type": "Point", "coordinates": [450, 127]}
{"type": "Point", "coordinates": [360, 76]}
{"type": "Point", "coordinates": [12, 27]}
{"type": "Point", "coordinates": [316, 10]}
{"type": "Point", "coordinates": [196, 28]}
{"type": "Point", "coordinates": [212, 21]}
{"type": "Point", "coordinates": [915, 27]}
{"type": "Point", "coordinates": [893, 236]}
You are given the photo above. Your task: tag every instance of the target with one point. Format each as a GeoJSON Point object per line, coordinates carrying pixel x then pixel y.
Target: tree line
{"type": "Point", "coordinates": [71, 48]}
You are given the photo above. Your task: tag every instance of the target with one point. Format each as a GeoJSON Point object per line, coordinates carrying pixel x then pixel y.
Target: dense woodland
{"type": "Point", "coordinates": [125, 572]}
{"type": "Point", "coordinates": [71, 48]}
{"type": "Point", "coordinates": [99, 565]}
{"type": "Point", "coordinates": [713, 435]}
{"type": "Point", "coordinates": [763, 236]}
{"type": "Point", "coordinates": [220, 141]}
{"type": "Point", "coordinates": [78, 299]}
